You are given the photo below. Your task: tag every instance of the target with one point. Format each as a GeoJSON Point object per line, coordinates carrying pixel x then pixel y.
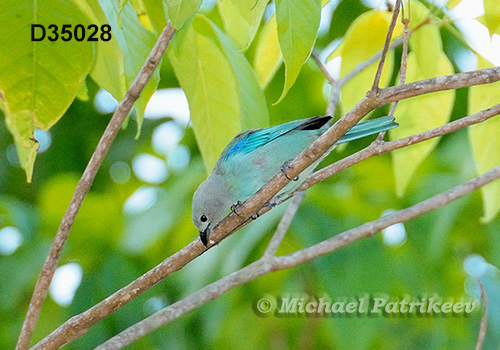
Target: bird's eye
{"type": "Point", "coordinates": [203, 218]}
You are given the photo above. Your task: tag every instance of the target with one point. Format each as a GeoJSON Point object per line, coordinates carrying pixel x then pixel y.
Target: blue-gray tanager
{"type": "Point", "coordinates": [254, 157]}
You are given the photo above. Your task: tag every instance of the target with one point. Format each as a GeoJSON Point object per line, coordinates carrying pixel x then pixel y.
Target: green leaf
{"type": "Point", "coordinates": [346, 12]}
{"type": "Point", "coordinates": [241, 19]}
{"type": "Point", "coordinates": [83, 93]}
{"type": "Point", "coordinates": [157, 13]}
{"type": "Point", "coordinates": [491, 17]}
{"type": "Point", "coordinates": [298, 23]}
{"type": "Point", "coordinates": [253, 103]}
{"type": "Point", "coordinates": [20, 125]}
{"type": "Point", "coordinates": [135, 43]}
{"type": "Point", "coordinates": [212, 93]}
{"type": "Point", "coordinates": [179, 11]}
{"type": "Point", "coordinates": [364, 38]}
{"type": "Point", "coordinates": [36, 93]}
{"type": "Point", "coordinates": [109, 66]}
{"type": "Point", "coordinates": [427, 60]}
{"type": "Point", "coordinates": [452, 3]}
{"type": "Point", "coordinates": [121, 6]}
{"type": "Point", "coordinates": [268, 55]}
{"type": "Point", "coordinates": [485, 141]}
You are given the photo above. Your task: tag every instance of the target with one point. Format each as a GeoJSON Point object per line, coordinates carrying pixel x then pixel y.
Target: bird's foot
{"type": "Point", "coordinates": [234, 207]}
{"type": "Point", "coordinates": [270, 204]}
{"type": "Point", "coordinates": [285, 168]}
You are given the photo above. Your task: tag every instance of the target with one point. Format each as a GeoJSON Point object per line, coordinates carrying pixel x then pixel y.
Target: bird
{"type": "Point", "coordinates": [255, 156]}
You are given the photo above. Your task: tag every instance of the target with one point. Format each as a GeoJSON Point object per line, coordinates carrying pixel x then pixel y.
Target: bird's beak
{"type": "Point", "coordinates": [204, 235]}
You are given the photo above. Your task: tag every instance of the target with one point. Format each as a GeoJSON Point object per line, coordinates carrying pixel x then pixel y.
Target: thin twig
{"type": "Point", "coordinates": [284, 224]}
{"type": "Point", "coordinates": [404, 61]}
{"type": "Point", "coordinates": [484, 319]}
{"type": "Point", "coordinates": [334, 99]}
{"type": "Point", "coordinates": [388, 38]}
{"type": "Point", "coordinates": [402, 70]}
{"type": "Point", "coordinates": [188, 304]}
{"type": "Point", "coordinates": [376, 148]}
{"type": "Point", "coordinates": [363, 65]}
{"type": "Point", "coordinates": [78, 325]}
{"type": "Point", "coordinates": [85, 184]}
{"type": "Point", "coordinates": [322, 66]}
{"type": "Point", "coordinates": [370, 228]}
{"type": "Point", "coordinates": [335, 92]}
{"type": "Point", "coordinates": [269, 263]}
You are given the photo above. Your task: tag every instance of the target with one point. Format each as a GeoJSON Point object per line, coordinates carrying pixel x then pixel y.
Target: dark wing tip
{"type": "Point", "coordinates": [314, 123]}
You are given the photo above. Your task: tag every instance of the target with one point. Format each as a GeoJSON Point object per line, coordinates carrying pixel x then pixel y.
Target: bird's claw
{"type": "Point", "coordinates": [284, 169]}
{"type": "Point", "coordinates": [269, 205]}
{"type": "Point", "coordinates": [235, 207]}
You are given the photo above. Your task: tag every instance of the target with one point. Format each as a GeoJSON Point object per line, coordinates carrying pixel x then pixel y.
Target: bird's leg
{"type": "Point", "coordinates": [284, 169]}
{"type": "Point", "coordinates": [270, 204]}
{"type": "Point", "coordinates": [235, 206]}
{"type": "Point", "coordinates": [266, 205]}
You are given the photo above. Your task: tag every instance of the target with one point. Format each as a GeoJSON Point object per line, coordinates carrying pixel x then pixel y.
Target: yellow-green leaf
{"type": "Point", "coordinates": [253, 102]}
{"type": "Point", "coordinates": [20, 126]}
{"type": "Point", "coordinates": [83, 93]}
{"type": "Point", "coordinates": [491, 17]}
{"type": "Point", "coordinates": [241, 19]}
{"type": "Point", "coordinates": [485, 141]}
{"type": "Point", "coordinates": [39, 79]}
{"type": "Point", "coordinates": [298, 23]}
{"type": "Point", "coordinates": [268, 55]}
{"type": "Point", "coordinates": [121, 6]}
{"type": "Point", "coordinates": [179, 11]}
{"type": "Point", "coordinates": [421, 113]}
{"type": "Point", "coordinates": [363, 39]}
{"type": "Point", "coordinates": [452, 3]}
{"type": "Point", "coordinates": [135, 43]}
{"type": "Point", "coordinates": [109, 67]}
{"type": "Point", "coordinates": [206, 76]}
{"type": "Point", "coordinates": [138, 6]}
{"type": "Point", "coordinates": [157, 13]}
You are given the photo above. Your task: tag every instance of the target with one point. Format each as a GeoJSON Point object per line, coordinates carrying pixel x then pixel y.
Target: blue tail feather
{"type": "Point", "coordinates": [369, 127]}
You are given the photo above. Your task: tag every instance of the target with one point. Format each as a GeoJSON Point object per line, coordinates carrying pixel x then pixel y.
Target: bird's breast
{"type": "Point", "coordinates": [260, 161]}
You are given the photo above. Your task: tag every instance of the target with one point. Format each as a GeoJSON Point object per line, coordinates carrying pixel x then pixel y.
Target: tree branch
{"type": "Point", "coordinates": [188, 304]}
{"type": "Point", "coordinates": [404, 61]}
{"type": "Point", "coordinates": [484, 320]}
{"type": "Point", "coordinates": [379, 148]}
{"type": "Point", "coordinates": [370, 228]}
{"type": "Point", "coordinates": [445, 82]}
{"type": "Point", "coordinates": [388, 38]}
{"type": "Point", "coordinates": [284, 224]}
{"type": "Point", "coordinates": [322, 67]}
{"type": "Point", "coordinates": [270, 263]}
{"type": "Point", "coordinates": [372, 101]}
{"type": "Point", "coordinates": [85, 184]}
{"type": "Point", "coordinates": [78, 325]}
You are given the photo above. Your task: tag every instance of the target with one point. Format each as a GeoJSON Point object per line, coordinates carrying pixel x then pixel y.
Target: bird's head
{"type": "Point", "coordinates": [211, 203]}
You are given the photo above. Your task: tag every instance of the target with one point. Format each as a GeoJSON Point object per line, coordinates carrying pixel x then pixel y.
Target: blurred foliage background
{"type": "Point", "coordinates": [139, 212]}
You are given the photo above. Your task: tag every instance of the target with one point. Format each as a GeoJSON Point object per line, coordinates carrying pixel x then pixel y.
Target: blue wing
{"type": "Point", "coordinates": [259, 138]}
